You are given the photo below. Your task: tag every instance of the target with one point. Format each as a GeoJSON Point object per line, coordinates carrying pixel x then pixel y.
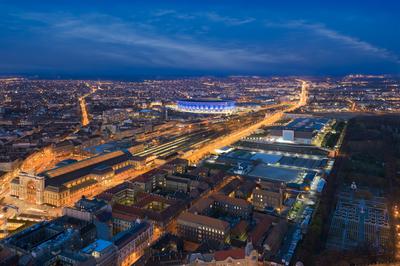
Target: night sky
{"type": "Point", "coordinates": [179, 38]}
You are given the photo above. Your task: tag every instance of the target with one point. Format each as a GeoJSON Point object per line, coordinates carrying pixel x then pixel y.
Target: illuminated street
{"type": "Point", "coordinates": [226, 133]}
{"type": "Point", "coordinates": [196, 155]}
{"type": "Point", "coordinates": [83, 106]}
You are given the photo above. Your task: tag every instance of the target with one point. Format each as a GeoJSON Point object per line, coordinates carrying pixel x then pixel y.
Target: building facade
{"type": "Point", "coordinates": [29, 187]}
{"type": "Point", "coordinates": [131, 243]}
{"type": "Point", "coordinates": [232, 206]}
{"type": "Point", "coordinates": [247, 256]}
{"type": "Point", "coordinates": [264, 198]}
{"type": "Point", "coordinates": [199, 228]}
{"type": "Point", "coordinates": [65, 184]}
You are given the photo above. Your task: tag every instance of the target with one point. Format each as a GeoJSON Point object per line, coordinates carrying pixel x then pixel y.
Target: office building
{"type": "Point", "coordinates": [200, 228]}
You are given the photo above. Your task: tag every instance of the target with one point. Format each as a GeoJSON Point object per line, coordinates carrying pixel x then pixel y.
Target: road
{"type": "Point", "coordinates": [82, 103]}
{"type": "Point", "coordinates": [85, 117]}
{"type": "Point", "coordinates": [195, 156]}
{"type": "Point", "coordinates": [303, 94]}
{"type": "Point", "coordinates": [352, 105]}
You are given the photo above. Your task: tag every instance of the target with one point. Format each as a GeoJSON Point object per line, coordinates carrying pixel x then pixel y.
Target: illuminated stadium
{"type": "Point", "coordinates": [206, 106]}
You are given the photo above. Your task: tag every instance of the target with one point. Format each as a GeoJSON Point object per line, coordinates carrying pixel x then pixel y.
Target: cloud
{"type": "Point", "coordinates": [173, 13]}
{"type": "Point", "coordinates": [202, 42]}
{"type": "Point", "coordinates": [345, 40]}
{"type": "Point", "coordinates": [164, 12]}
{"type": "Point", "coordinates": [210, 16]}
{"type": "Point", "coordinates": [228, 20]}
{"type": "Point", "coordinates": [133, 43]}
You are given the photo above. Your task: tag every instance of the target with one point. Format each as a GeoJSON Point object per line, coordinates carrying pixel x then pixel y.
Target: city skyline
{"type": "Point", "coordinates": [133, 40]}
{"type": "Point", "coordinates": [193, 133]}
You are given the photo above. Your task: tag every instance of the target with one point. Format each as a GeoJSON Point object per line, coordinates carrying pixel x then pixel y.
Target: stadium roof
{"type": "Point", "coordinates": [205, 100]}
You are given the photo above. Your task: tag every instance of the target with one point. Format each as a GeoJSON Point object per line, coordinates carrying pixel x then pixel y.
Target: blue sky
{"type": "Point", "coordinates": [144, 38]}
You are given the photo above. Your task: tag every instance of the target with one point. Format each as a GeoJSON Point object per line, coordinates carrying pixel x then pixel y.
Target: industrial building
{"type": "Point", "coordinates": [300, 130]}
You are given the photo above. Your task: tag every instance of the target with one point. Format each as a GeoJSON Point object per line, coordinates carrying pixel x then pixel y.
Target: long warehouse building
{"type": "Point", "coordinates": [60, 185]}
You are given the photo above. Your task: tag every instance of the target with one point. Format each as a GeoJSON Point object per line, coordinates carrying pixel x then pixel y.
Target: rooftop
{"type": "Point", "coordinates": [90, 205]}
{"type": "Point", "coordinates": [210, 100]}
{"type": "Point", "coordinates": [231, 200]}
{"type": "Point", "coordinates": [99, 245]}
{"type": "Point", "coordinates": [58, 171]}
{"type": "Point", "coordinates": [143, 199]}
{"type": "Point", "coordinates": [237, 253]}
{"type": "Point", "coordinates": [203, 220]}
{"type": "Point", "coordinates": [264, 171]}
{"type": "Point", "coordinates": [307, 124]}
{"type": "Point", "coordinates": [59, 176]}
{"type": "Point", "coordinates": [124, 237]}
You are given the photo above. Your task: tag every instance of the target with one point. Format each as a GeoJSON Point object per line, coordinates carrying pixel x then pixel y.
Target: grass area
{"type": "Point", "coordinates": [338, 126]}
{"type": "Point", "coordinates": [126, 201]}
{"type": "Point", "coordinates": [294, 211]}
{"type": "Point", "coordinates": [331, 138]}
{"type": "Point", "coordinates": [365, 164]}
{"type": "Point", "coordinates": [156, 206]}
{"type": "Point", "coordinates": [240, 154]}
